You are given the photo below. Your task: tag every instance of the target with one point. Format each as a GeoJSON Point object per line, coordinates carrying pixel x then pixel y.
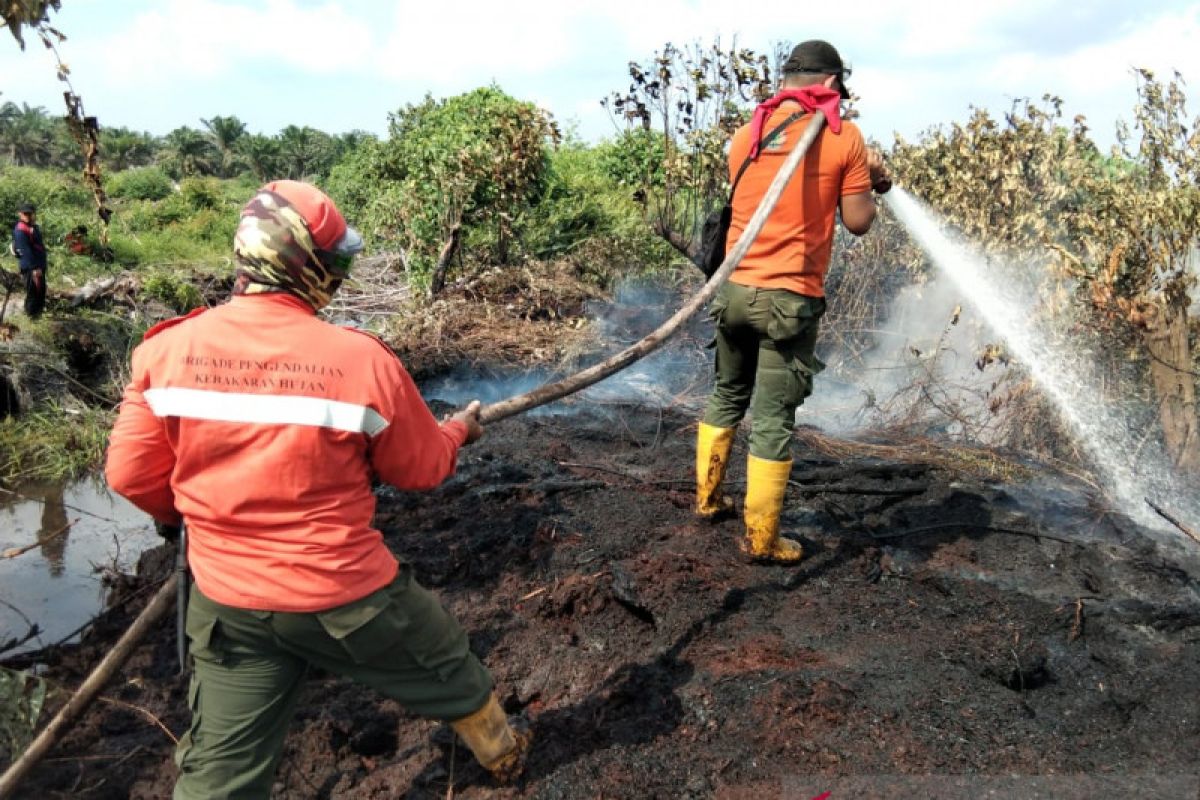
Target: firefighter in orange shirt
{"type": "Point", "coordinates": [262, 427]}
{"type": "Point", "coordinates": [769, 311]}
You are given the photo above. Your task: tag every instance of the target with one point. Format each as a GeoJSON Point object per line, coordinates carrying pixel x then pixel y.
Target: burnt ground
{"type": "Point", "coordinates": [944, 637]}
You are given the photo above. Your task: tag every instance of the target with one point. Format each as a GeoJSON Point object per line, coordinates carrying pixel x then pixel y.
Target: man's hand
{"type": "Point", "coordinates": [469, 416]}
{"type": "Point", "coordinates": [881, 181]}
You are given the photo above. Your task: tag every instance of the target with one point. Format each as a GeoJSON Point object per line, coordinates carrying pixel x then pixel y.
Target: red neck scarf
{"type": "Point", "coordinates": [810, 99]}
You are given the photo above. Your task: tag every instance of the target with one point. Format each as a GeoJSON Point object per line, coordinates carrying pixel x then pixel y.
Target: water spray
{"type": "Point", "coordinates": [1066, 382]}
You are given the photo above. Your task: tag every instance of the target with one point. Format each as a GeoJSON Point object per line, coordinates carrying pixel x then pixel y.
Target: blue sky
{"type": "Point", "coordinates": [344, 65]}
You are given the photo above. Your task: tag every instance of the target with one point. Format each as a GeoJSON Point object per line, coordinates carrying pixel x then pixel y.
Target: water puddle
{"type": "Point", "coordinates": [58, 586]}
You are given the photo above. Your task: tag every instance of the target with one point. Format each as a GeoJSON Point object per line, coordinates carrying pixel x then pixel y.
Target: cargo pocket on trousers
{"type": "Point", "coordinates": [716, 312]}
{"type": "Point", "coordinates": [204, 633]}
{"type": "Point", "coordinates": [363, 628]}
{"type": "Point", "coordinates": [804, 370]}
{"type": "Point", "coordinates": [791, 314]}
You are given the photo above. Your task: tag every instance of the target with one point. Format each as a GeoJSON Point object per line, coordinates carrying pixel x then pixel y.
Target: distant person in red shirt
{"type": "Point", "coordinates": [262, 426]}
{"type": "Point", "coordinates": [769, 312]}
{"type": "Point", "coordinates": [77, 241]}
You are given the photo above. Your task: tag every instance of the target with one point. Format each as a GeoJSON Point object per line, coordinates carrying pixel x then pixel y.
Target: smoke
{"type": "Point", "coordinates": [678, 375]}
{"type": "Point", "coordinates": [928, 345]}
{"type": "Point", "coordinates": [951, 352]}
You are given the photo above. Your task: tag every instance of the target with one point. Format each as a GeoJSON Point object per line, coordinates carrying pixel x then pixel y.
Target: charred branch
{"type": "Point", "coordinates": [437, 279]}
{"type": "Point", "coordinates": [683, 244]}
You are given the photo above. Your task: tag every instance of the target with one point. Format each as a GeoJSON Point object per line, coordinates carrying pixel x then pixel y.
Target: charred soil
{"type": "Point", "coordinates": [939, 624]}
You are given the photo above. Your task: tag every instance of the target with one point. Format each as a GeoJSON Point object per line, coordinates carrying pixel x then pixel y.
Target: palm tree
{"type": "Point", "coordinates": [122, 148]}
{"type": "Point", "coordinates": [352, 140]}
{"type": "Point", "coordinates": [262, 155]}
{"type": "Point", "coordinates": [306, 152]}
{"type": "Point", "coordinates": [186, 151]}
{"type": "Point", "coordinates": [64, 152]}
{"type": "Point", "coordinates": [26, 133]}
{"type": "Point", "coordinates": [224, 132]}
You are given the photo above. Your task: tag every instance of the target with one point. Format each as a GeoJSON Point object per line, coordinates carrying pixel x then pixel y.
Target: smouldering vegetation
{"type": "Point", "coordinates": [483, 215]}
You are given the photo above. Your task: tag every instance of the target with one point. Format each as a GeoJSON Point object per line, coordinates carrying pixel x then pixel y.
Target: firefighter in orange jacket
{"type": "Point", "coordinates": [262, 426]}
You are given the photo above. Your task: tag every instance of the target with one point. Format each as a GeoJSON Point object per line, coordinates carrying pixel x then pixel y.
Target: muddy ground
{"type": "Point", "coordinates": [944, 637]}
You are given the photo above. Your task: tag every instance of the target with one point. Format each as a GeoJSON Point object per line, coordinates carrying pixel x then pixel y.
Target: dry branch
{"type": "Point", "coordinates": [103, 672]}
{"type": "Point", "coordinates": [13, 552]}
{"type": "Point", "coordinates": [1077, 624]}
{"type": "Point", "coordinates": [1173, 520]}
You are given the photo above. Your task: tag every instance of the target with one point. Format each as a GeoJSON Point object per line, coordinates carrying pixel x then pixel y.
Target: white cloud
{"type": "Point", "coordinates": [185, 40]}
{"type": "Point", "coordinates": [440, 46]}
{"type": "Point", "coordinates": [279, 61]}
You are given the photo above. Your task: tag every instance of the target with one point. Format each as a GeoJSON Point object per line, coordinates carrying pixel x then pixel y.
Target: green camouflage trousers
{"type": "Point", "coordinates": [765, 348]}
{"type": "Point", "coordinates": [249, 667]}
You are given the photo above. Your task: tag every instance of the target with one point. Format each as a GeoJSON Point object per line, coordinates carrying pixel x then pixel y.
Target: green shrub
{"type": "Point", "coordinates": [61, 201]}
{"type": "Point", "coordinates": [150, 215]}
{"type": "Point", "coordinates": [477, 159]}
{"type": "Point", "coordinates": [46, 189]}
{"type": "Point", "coordinates": [571, 208]}
{"type": "Point", "coordinates": [635, 158]}
{"type": "Point", "coordinates": [141, 183]}
{"type": "Point", "coordinates": [583, 204]}
{"type": "Point", "coordinates": [172, 290]}
{"type": "Point", "coordinates": [201, 193]}
{"type": "Point", "coordinates": [211, 225]}
{"type": "Point", "coordinates": [355, 184]}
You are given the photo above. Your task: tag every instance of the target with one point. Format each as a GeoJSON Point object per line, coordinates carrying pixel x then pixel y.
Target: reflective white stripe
{"type": "Point", "coordinates": [268, 409]}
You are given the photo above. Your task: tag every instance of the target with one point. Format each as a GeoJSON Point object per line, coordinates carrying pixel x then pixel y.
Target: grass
{"type": "Point", "coordinates": [979, 462]}
{"type": "Point", "coordinates": [53, 444]}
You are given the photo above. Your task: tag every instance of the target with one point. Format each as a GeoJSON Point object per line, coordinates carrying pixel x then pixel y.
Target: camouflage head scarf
{"type": "Point", "coordinates": [275, 253]}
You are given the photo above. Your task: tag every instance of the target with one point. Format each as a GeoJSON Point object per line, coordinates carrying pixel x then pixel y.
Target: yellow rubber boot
{"type": "Point", "coordinates": [766, 483]}
{"type": "Point", "coordinates": [498, 746]}
{"type": "Point", "coordinates": [712, 457]}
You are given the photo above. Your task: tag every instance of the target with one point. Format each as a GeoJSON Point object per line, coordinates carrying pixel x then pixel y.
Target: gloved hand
{"type": "Point", "coordinates": [167, 530]}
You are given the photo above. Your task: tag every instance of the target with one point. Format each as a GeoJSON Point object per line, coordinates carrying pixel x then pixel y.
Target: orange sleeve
{"type": "Point", "coordinates": [413, 451]}
{"type": "Point", "coordinates": [857, 177]}
{"type": "Point", "coordinates": [140, 458]}
{"type": "Point", "coordinates": [739, 148]}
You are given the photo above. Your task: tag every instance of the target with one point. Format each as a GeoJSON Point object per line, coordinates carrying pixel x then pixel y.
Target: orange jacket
{"type": "Point", "coordinates": [263, 426]}
{"type": "Point", "coordinates": [792, 251]}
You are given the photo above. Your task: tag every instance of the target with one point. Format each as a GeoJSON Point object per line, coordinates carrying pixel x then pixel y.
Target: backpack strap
{"type": "Point", "coordinates": [765, 141]}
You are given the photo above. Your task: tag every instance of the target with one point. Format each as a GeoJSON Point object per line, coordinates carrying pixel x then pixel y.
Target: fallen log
{"type": "Point", "coordinates": [158, 606]}
{"type": "Point", "coordinates": [585, 378]}
{"type": "Point", "coordinates": [124, 285]}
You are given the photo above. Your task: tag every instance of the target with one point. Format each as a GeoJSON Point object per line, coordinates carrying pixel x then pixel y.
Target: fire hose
{"type": "Point", "coordinates": [162, 601]}
{"type": "Point", "coordinates": [652, 341]}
